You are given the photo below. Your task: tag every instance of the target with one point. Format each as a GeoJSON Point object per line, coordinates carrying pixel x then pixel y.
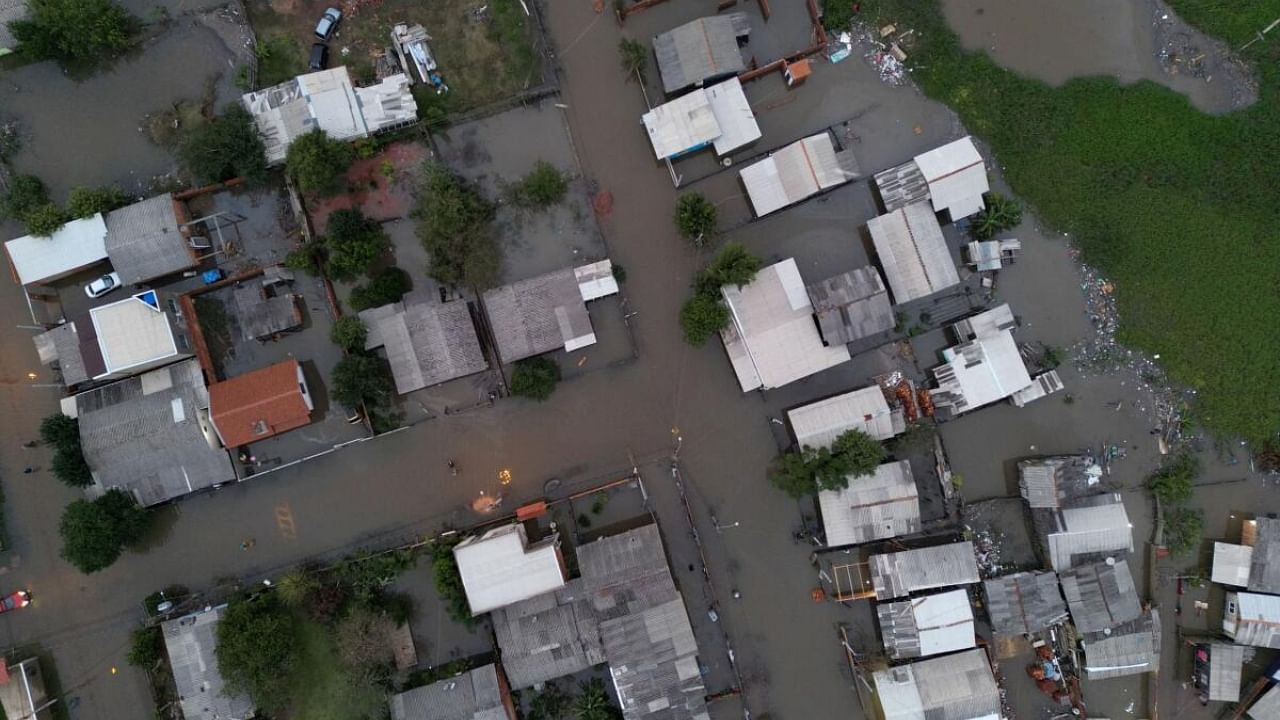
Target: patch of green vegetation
{"type": "Point", "coordinates": [543, 187]}
{"type": "Point", "coordinates": [705, 314]}
{"type": "Point", "coordinates": [1176, 207]}
{"type": "Point", "coordinates": [804, 472]}
{"type": "Point", "coordinates": [74, 32]}
{"type": "Point", "coordinates": [448, 581]}
{"type": "Point", "coordinates": [323, 688]}
{"type": "Point", "coordinates": [387, 286]}
{"type": "Point", "coordinates": [535, 378]}
{"type": "Point", "coordinates": [216, 329]}
{"type": "Point", "coordinates": [280, 58]}
{"type": "Point", "coordinates": [1183, 528]}
{"type": "Point", "coordinates": [510, 30]}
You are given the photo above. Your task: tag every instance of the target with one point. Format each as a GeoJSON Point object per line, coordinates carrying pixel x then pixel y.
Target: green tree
{"type": "Point", "coordinates": [853, 454]}
{"type": "Point", "coordinates": [225, 148]}
{"type": "Point", "coordinates": [593, 703]}
{"type": "Point", "coordinates": [95, 533]}
{"type": "Point", "coordinates": [535, 378]}
{"type": "Point", "coordinates": [349, 333]}
{"type": "Point", "coordinates": [552, 703]}
{"type": "Point", "coordinates": [388, 286]}
{"type": "Point", "coordinates": [311, 258]}
{"type": "Point", "coordinates": [634, 57]}
{"type": "Point", "coordinates": [702, 316]}
{"type": "Point", "coordinates": [1174, 482]}
{"type": "Point", "coordinates": [45, 220]}
{"type": "Point", "coordinates": [318, 162]}
{"type": "Point", "coordinates": [297, 586]}
{"type": "Point", "coordinates": [792, 475]}
{"type": "Point", "coordinates": [733, 266]}
{"type": "Point", "coordinates": [86, 202]}
{"type": "Point", "coordinates": [1182, 529]}
{"type": "Point", "coordinates": [70, 467]}
{"type": "Point", "coordinates": [257, 649]}
{"type": "Point", "coordinates": [26, 193]}
{"type": "Point", "coordinates": [543, 187]}
{"type": "Point", "coordinates": [695, 218]}
{"type": "Point", "coordinates": [146, 648]}
{"type": "Point", "coordinates": [62, 433]}
{"type": "Point", "coordinates": [856, 454]}
{"type": "Point", "coordinates": [361, 378]}
{"type": "Point", "coordinates": [454, 226]}
{"type": "Point", "coordinates": [1001, 213]}
{"type": "Point", "coordinates": [355, 243]}
{"type": "Point", "coordinates": [837, 15]}
{"type": "Point", "coordinates": [448, 582]}
{"type": "Point", "coordinates": [73, 31]}
{"type": "Point", "coordinates": [58, 430]}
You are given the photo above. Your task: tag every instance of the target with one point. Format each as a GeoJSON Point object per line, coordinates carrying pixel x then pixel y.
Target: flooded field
{"type": "Point", "coordinates": [1131, 40]}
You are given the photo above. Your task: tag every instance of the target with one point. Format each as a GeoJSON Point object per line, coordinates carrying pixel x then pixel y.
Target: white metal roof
{"type": "Point", "coordinates": [883, 505]}
{"type": "Point", "coordinates": [500, 568]}
{"type": "Point", "coordinates": [927, 625]}
{"type": "Point", "coordinates": [79, 244]}
{"type": "Point", "coordinates": [333, 102]}
{"type": "Point", "coordinates": [793, 173]}
{"type": "Point", "coordinates": [1231, 564]}
{"type": "Point", "coordinates": [1268, 706]}
{"type": "Point", "coordinates": [819, 424]}
{"type": "Point", "coordinates": [900, 573]}
{"type": "Point", "coordinates": [983, 371]}
{"type": "Point", "coordinates": [956, 176]}
{"type": "Point", "coordinates": [960, 686]}
{"type": "Point", "coordinates": [386, 104]}
{"type": "Point", "coordinates": [596, 280]}
{"type": "Point", "coordinates": [133, 332]}
{"type": "Point", "coordinates": [682, 125]}
{"type": "Point", "coordinates": [1086, 530]}
{"type": "Point", "coordinates": [913, 252]}
{"type": "Point", "coordinates": [772, 339]}
{"type": "Point", "coordinates": [733, 113]}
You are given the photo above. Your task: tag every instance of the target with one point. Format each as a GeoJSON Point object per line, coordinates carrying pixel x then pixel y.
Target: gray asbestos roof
{"type": "Point", "coordinates": [883, 505]}
{"type": "Point", "coordinates": [427, 343]}
{"type": "Point", "coordinates": [851, 306]}
{"type": "Point", "coordinates": [702, 50]}
{"type": "Point", "coordinates": [902, 185]}
{"type": "Point", "coordinates": [1129, 649]}
{"type": "Point", "coordinates": [1024, 603]}
{"type": "Point", "coordinates": [916, 260]}
{"type": "Point", "coordinates": [1054, 481]}
{"type": "Point", "coordinates": [548, 636]}
{"type": "Point", "coordinates": [264, 310]}
{"type": "Point", "coordinates": [473, 695]}
{"type": "Point", "coordinates": [1264, 567]}
{"type": "Point", "coordinates": [191, 641]}
{"type": "Point", "coordinates": [896, 574]}
{"type": "Point", "coordinates": [926, 625]}
{"type": "Point", "coordinates": [960, 686]}
{"type": "Point", "coordinates": [148, 434]}
{"type": "Point", "coordinates": [62, 345]}
{"type": "Point", "coordinates": [1225, 664]}
{"type": "Point", "coordinates": [538, 315]}
{"type": "Point", "coordinates": [144, 241]}
{"type": "Point", "coordinates": [1100, 596]}
{"type": "Point", "coordinates": [1089, 532]}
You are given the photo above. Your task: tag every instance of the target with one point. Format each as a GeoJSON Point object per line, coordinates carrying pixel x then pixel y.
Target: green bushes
{"type": "Point", "coordinates": [349, 333]}
{"type": "Point", "coordinates": [26, 193]}
{"type": "Point", "coordinates": [360, 378]}
{"type": "Point", "coordinates": [384, 288]}
{"type": "Point", "coordinates": [448, 581]}
{"type": "Point", "coordinates": [806, 471]}
{"type": "Point", "coordinates": [317, 162]}
{"type": "Point", "coordinates": [146, 648]}
{"type": "Point", "coordinates": [62, 433]}
{"type": "Point", "coordinates": [695, 218]}
{"type": "Point", "coordinates": [634, 57]}
{"type": "Point", "coordinates": [1174, 482]}
{"type": "Point", "coordinates": [454, 227]}
{"type": "Point", "coordinates": [1001, 213]}
{"type": "Point", "coordinates": [225, 148]}
{"type": "Point", "coordinates": [543, 187]}
{"type": "Point", "coordinates": [1183, 528]}
{"type": "Point", "coordinates": [73, 31]}
{"type": "Point", "coordinates": [45, 220]}
{"type": "Point", "coordinates": [704, 314]}
{"type": "Point", "coordinates": [89, 201]}
{"type": "Point", "coordinates": [353, 244]}
{"type": "Point", "coordinates": [95, 533]}
{"type": "Point", "coordinates": [257, 649]}
{"type": "Point", "coordinates": [535, 378]}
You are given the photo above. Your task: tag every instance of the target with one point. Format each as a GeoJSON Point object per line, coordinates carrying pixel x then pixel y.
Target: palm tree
{"type": "Point", "coordinates": [634, 56]}
{"type": "Point", "coordinates": [593, 703]}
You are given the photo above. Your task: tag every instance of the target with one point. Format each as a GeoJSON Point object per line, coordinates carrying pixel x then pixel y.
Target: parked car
{"type": "Point", "coordinates": [15, 601]}
{"type": "Point", "coordinates": [319, 57]}
{"type": "Point", "coordinates": [102, 285]}
{"type": "Point", "coordinates": [328, 23]}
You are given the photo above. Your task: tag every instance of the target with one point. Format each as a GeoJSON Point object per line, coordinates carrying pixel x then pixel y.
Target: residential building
{"type": "Point", "coordinates": [1100, 595]}
{"type": "Point", "coordinates": [952, 178]}
{"type": "Point", "coordinates": [991, 255]}
{"type": "Point", "coordinates": [1267, 707]}
{"type": "Point", "coordinates": [1252, 619]}
{"type": "Point", "coordinates": [77, 245]}
{"type": "Point", "coordinates": [883, 505]}
{"type": "Point", "coordinates": [502, 567]}
{"type": "Point", "coordinates": [22, 691]}
{"type": "Point", "coordinates": [796, 172]}
{"type": "Point", "coordinates": [478, 694]}
{"type": "Point", "coordinates": [851, 306]}
{"type": "Point", "coordinates": [266, 306]}
{"type": "Point", "coordinates": [1231, 564]}
{"type": "Point", "coordinates": [771, 338]}
{"type": "Point", "coordinates": [1087, 532]}
{"type": "Point", "coordinates": [718, 116]}
{"type": "Point", "coordinates": [701, 51]}
{"type": "Point", "coordinates": [149, 240]}
{"type": "Point", "coordinates": [984, 368]}
{"type": "Point", "coordinates": [960, 686]}
{"type": "Point", "coordinates": [326, 100]}
{"type": "Point", "coordinates": [1024, 603]}
{"type": "Point", "coordinates": [548, 312]}
{"type": "Point", "coordinates": [896, 574]}
{"type": "Point", "coordinates": [548, 636]}
{"type": "Point", "coordinates": [818, 424]}
{"type": "Point", "coordinates": [926, 625]}
{"type": "Point", "coordinates": [151, 435]}
{"type": "Point", "coordinates": [1264, 561]}
{"type": "Point", "coordinates": [1226, 662]}
{"type": "Point", "coordinates": [1055, 481]}
{"type": "Point", "coordinates": [191, 642]}
{"type": "Point", "coordinates": [914, 254]}
{"type": "Point", "coordinates": [1128, 649]}
{"type": "Point", "coordinates": [1046, 383]}
{"type": "Point", "coordinates": [260, 404]}
{"type": "Point", "coordinates": [426, 342]}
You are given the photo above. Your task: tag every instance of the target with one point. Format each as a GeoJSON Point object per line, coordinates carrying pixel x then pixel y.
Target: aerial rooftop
{"type": "Point", "coordinates": [797, 171]}
{"type": "Point", "coordinates": [883, 505]}
{"type": "Point", "coordinates": [914, 254]}
{"type": "Point", "coordinates": [1088, 532]}
{"type": "Point", "coordinates": [851, 306]}
{"type": "Point", "coordinates": [1024, 602]}
{"type": "Point", "coordinates": [926, 625]}
{"type": "Point", "coordinates": [77, 245]}
{"type": "Point", "coordinates": [1129, 649]}
{"type": "Point", "coordinates": [544, 313]}
{"type": "Point", "coordinates": [146, 240]}
{"type": "Point", "coordinates": [426, 342]}
{"type": "Point", "coordinates": [1100, 595]}
{"type": "Point", "coordinates": [700, 50]}
{"type": "Point", "coordinates": [191, 641]}
{"type": "Point", "coordinates": [260, 404]}
{"type": "Point", "coordinates": [894, 575]}
{"type": "Point", "coordinates": [719, 116]}
{"type": "Point", "coordinates": [1052, 482]}
{"type": "Point", "coordinates": [478, 694]}
{"type": "Point", "coordinates": [502, 567]}
{"type": "Point", "coordinates": [818, 424]}
{"type": "Point", "coordinates": [950, 687]}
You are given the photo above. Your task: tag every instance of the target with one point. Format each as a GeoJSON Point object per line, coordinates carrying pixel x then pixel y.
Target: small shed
{"type": "Point", "coordinates": [1051, 482]}
{"type": "Point", "coordinates": [1231, 564]}
{"type": "Point", "coordinates": [702, 50]}
{"type": "Point", "coordinates": [978, 373]}
{"type": "Point", "coordinates": [956, 176]}
{"type": "Point", "coordinates": [914, 254]}
{"type": "Point", "coordinates": [148, 240]}
{"type": "Point", "coordinates": [1268, 706]}
{"type": "Point", "coordinates": [796, 172]}
{"type": "Point", "coordinates": [77, 245]}
{"type": "Point", "coordinates": [851, 306]}
{"type": "Point", "coordinates": [926, 625]}
{"type": "Point", "coordinates": [1252, 619]}
{"type": "Point", "coordinates": [883, 505]}
{"type": "Point", "coordinates": [265, 306]}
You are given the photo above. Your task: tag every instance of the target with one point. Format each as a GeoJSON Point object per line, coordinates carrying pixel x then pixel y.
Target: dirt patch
{"type": "Point", "coordinates": [380, 186]}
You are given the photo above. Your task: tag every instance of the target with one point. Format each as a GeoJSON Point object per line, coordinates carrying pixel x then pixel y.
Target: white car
{"type": "Point", "coordinates": [102, 285]}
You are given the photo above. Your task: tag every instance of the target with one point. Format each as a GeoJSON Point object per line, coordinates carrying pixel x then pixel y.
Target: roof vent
{"type": "Point", "coordinates": [260, 427]}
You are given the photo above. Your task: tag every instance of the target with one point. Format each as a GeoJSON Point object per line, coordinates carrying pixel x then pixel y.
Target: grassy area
{"type": "Point", "coordinates": [280, 57]}
{"type": "Point", "coordinates": [323, 689]}
{"type": "Point", "coordinates": [1177, 207]}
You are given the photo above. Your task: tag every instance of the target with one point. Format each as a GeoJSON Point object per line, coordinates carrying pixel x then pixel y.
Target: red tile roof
{"type": "Point", "coordinates": [259, 404]}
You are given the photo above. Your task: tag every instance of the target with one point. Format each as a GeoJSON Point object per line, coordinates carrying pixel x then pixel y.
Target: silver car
{"type": "Point", "coordinates": [328, 23]}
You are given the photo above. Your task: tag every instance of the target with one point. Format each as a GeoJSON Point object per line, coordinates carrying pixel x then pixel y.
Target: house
{"type": "Point", "coordinates": [149, 240]}
{"type": "Point", "coordinates": [914, 254]}
{"type": "Point", "coordinates": [151, 436]}
{"type": "Point", "coordinates": [265, 306]}
{"type": "Point", "coordinates": [1226, 662]}
{"type": "Point", "coordinates": [426, 342]}
{"type": "Point", "coordinates": [326, 100]}
{"type": "Point", "coordinates": [926, 625]}
{"type": "Point", "coordinates": [880, 506]}
{"type": "Point", "coordinates": [22, 691]}
{"type": "Point", "coordinates": [952, 178]}
{"type": "Point", "coordinates": [548, 312]}
{"type": "Point", "coordinates": [260, 404]}
{"type": "Point", "coordinates": [771, 338]}
{"type": "Point", "coordinates": [478, 694]}
{"type": "Point", "coordinates": [191, 642]}
{"type": "Point", "coordinates": [1231, 564]}
{"type": "Point", "coordinates": [851, 306]}
{"type": "Point", "coordinates": [77, 245]}
{"type": "Point", "coordinates": [719, 116]}
{"type": "Point", "coordinates": [896, 574]}
{"type": "Point", "coordinates": [985, 367]}
{"type": "Point", "coordinates": [797, 171]}
{"type": "Point", "coordinates": [960, 686]}
{"type": "Point", "coordinates": [701, 51]}
{"type": "Point", "coordinates": [1053, 482]}
{"type": "Point", "coordinates": [502, 567]}
{"type": "Point", "coordinates": [1087, 532]}
{"type": "Point", "coordinates": [548, 636]}
{"type": "Point", "coordinates": [1252, 619]}
{"type": "Point", "coordinates": [1046, 383]}
{"type": "Point", "coordinates": [1100, 595]}
{"type": "Point", "coordinates": [1264, 561]}
{"type": "Point", "coordinates": [990, 255]}
{"type": "Point", "coordinates": [1128, 649]}
{"type": "Point", "coordinates": [1268, 706]}
{"type": "Point", "coordinates": [818, 424]}
{"type": "Point", "coordinates": [1023, 603]}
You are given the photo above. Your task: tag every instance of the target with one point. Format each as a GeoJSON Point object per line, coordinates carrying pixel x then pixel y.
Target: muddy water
{"type": "Point", "coordinates": [89, 132]}
{"type": "Point", "coordinates": [1057, 41]}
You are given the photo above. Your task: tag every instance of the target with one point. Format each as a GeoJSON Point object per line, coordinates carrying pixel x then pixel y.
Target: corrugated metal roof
{"type": "Point", "coordinates": [681, 125]}
{"type": "Point", "coordinates": [77, 245]}
{"type": "Point", "coordinates": [1225, 664]}
{"type": "Point", "coordinates": [144, 241]}
{"type": "Point", "coordinates": [956, 176]}
{"type": "Point", "coordinates": [772, 339]}
{"type": "Point", "coordinates": [1257, 619]}
{"type": "Point", "coordinates": [733, 113]}
{"type": "Point", "coordinates": [426, 342]}
{"type": "Point", "coordinates": [1100, 595]}
{"type": "Point", "coordinates": [701, 50]}
{"type": "Point", "coordinates": [262, 316]}
{"type": "Point", "coordinates": [1264, 565]}
{"type": "Point", "coordinates": [191, 642]}
{"type": "Point", "coordinates": [596, 280]}
{"type": "Point", "coordinates": [387, 104]}
{"type": "Point", "coordinates": [1268, 706]}
{"type": "Point", "coordinates": [927, 625]}
{"type": "Point", "coordinates": [1129, 649]}
{"type": "Point", "coordinates": [818, 424]}
{"type": "Point", "coordinates": [978, 373]}
{"type": "Point", "coordinates": [548, 636]}
{"type": "Point", "coordinates": [1024, 603]}
{"type": "Point", "coordinates": [538, 315]}
{"type": "Point", "coordinates": [62, 345]}
{"type": "Point", "coordinates": [852, 305]}
{"type": "Point", "coordinates": [795, 172]}
{"type": "Point", "coordinates": [952, 687]}
{"type": "Point", "coordinates": [501, 567]}
{"type": "Point", "coordinates": [1078, 531]}
{"type": "Point", "coordinates": [880, 506]}
{"type": "Point", "coordinates": [1231, 564]}
{"type": "Point", "coordinates": [915, 257]}
{"type": "Point", "coordinates": [902, 186]}
{"type": "Point", "coordinates": [1050, 482]}
{"type": "Point", "coordinates": [473, 695]}
{"type": "Point", "coordinates": [988, 323]}
{"type": "Point", "coordinates": [896, 574]}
